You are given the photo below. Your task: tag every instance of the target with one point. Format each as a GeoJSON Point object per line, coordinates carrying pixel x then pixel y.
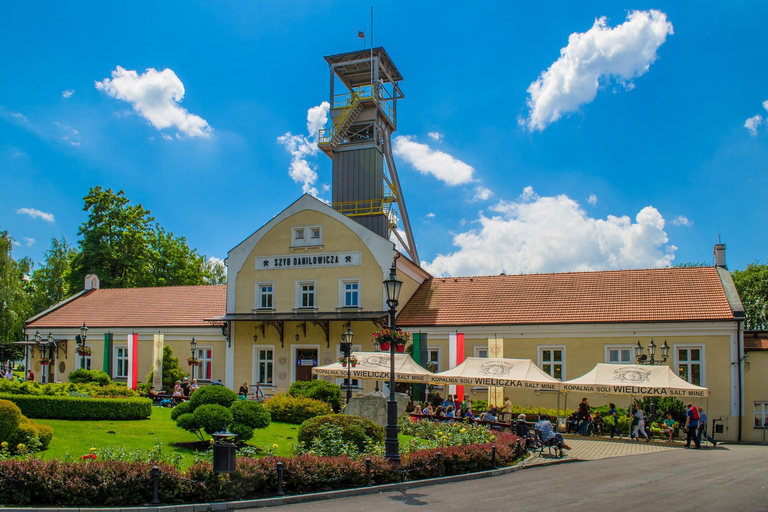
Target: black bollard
{"type": "Point", "coordinates": [280, 479]}
{"type": "Point", "coordinates": [493, 457]}
{"type": "Point", "coordinates": [368, 471]}
{"type": "Point", "coordinates": [155, 472]}
{"type": "Point", "coordinates": [440, 465]}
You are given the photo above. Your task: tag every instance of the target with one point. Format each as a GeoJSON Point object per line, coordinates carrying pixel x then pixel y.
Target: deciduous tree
{"type": "Point", "coordinates": [752, 284]}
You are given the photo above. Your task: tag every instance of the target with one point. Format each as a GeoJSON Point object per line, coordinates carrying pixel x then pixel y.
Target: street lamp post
{"type": "Point", "coordinates": [193, 349]}
{"type": "Point", "coordinates": [391, 445]}
{"type": "Point", "coordinates": [346, 349]}
{"type": "Point", "coordinates": [377, 348]}
{"type": "Point", "coordinates": [81, 344]}
{"type": "Point", "coordinates": [643, 359]}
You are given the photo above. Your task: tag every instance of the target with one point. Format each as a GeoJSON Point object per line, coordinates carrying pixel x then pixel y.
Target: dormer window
{"type": "Point", "coordinates": [298, 234]}
{"type": "Point", "coordinates": [307, 236]}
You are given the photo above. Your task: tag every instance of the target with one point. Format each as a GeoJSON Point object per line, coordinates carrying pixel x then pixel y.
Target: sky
{"type": "Point", "coordinates": [533, 137]}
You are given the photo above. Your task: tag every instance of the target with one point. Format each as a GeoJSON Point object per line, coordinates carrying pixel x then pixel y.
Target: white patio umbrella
{"type": "Point", "coordinates": [375, 366]}
{"type": "Point", "coordinates": [634, 379]}
{"type": "Point", "coordinates": [483, 371]}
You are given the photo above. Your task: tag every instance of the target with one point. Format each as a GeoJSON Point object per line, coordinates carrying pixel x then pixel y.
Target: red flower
{"type": "Point", "coordinates": [91, 456]}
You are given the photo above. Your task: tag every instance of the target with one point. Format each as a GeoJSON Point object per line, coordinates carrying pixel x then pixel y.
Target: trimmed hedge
{"type": "Point", "coordinates": [81, 376]}
{"type": "Point", "coordinates": [319, 390]}
{"type": "Point", "coordinates": [356, 429]}
{"type": "Point", "coordinates": [75, 408]}
{"type": "Point", "coordinates": [297, 410]}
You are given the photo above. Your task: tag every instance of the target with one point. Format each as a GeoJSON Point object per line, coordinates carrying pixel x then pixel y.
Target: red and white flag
{"type": "Point", "coordinates": [455, 358]}
{"type": "Point", "coordinates": [133, 364]}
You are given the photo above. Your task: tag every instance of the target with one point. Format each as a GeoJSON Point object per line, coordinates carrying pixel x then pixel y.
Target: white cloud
{"type": "Point", "coordinates": [301, 147]}
{"type": "Point", "coordinates": [430, 215]}
{"type": "Point", "coordinates": [36, 214]}
{"type": "Point", "coordinates": [753, 123]}
{"type": "Point", "coordinates": [554, 234]}
{"type": "Point", "coordinates": [167, 137]}
{"type": "Point", "coordinates": [156, 97]}
{"type": "Point", "coordinates": [435, 136]}
{"type": "Point", "coordinates": [431, 161]}
{"type": "Point", "coordinates": [482, 194]}
{"type": "Point", "coordinates": [19, 116]}
{"type": "Point", "coordinates": [592, 58]}
{"type": "Point", "coordinates": [29, 241]}
{"type": "Point", "coordinates": [682, 220]}
{"type": "Point", "coordinates": [592, 199]}
{"type": "Point", "coordinates": [68, 93]}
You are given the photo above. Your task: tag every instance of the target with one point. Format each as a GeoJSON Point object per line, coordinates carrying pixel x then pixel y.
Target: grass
{"type": "Point", "coordinates": [76, 438]}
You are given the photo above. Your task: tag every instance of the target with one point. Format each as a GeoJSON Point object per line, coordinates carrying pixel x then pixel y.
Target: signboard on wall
{"type": "Point", "coordinates": [317, 260]}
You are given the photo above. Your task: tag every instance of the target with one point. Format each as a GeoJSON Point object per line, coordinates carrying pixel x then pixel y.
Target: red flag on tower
{"type": "Point", "coordinates": [361, 35]}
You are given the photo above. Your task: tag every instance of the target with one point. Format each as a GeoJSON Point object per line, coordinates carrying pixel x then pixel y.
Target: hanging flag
{"type": "Point", "coordinates": [107, 361]}
{"type": "Point", "coordinates": [455, 358]}
{"type": "Point", "coordinates": [459, 359]}
{"type": "Point", "coordinates": [361, 35]}
{"type": "Point", "coordinates": [133, 366]}
{"type": "Point", "coordinates": [496, 393]}
{"type": "Point", "coordinates": [157, 358]}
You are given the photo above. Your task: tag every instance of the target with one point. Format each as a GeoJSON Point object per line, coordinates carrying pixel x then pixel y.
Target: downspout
{"type": "Point", "coordinates": [740, 345]}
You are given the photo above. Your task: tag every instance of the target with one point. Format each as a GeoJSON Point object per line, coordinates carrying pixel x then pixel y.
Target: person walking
{"type": "Point", "coordinates": [615, 415]}
{"type": "Point", "coordinates": [583, 416]}
{"type": "Point", "coordinates": [691, 424]}
{"type": "Point", "coordinates": [640, 427]}
{"type": "Point", "coordinates": [702, 429]}
{"type": "Point", "coordinates": [507, 410]}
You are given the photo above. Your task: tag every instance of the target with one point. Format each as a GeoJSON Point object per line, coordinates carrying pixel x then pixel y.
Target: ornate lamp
{"type": "Point", "coordinates": [391, 444]}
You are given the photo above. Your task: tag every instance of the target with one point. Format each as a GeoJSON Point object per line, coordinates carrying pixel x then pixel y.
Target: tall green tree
{"type": "Point", "coordinates": [50, 282]}
{"type": "Point", "coordinates": [752, 285]}
{"type": "Point", "coordinates": [216, 272]}
{"type": "Point", "coordinates": [15, 306]}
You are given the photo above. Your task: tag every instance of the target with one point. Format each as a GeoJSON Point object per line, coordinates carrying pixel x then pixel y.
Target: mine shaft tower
{"type": "Point", "coordinates": [363, 119]}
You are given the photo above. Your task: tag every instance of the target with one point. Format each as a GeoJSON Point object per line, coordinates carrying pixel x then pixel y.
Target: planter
{"type": "Point", "coordinates": [344, 365]}
{"type": "Point", "coordinates": [354, 364]}
{"type": "Point", "coordinates": [384, 346]}
{"type": "Point", "coordinates": [400, 349]}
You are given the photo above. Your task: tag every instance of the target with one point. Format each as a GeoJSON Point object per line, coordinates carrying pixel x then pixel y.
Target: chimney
{"type": "Point", "coordinates": [720, 255]}
{"type": "Point", "coordinates": [91, 282]}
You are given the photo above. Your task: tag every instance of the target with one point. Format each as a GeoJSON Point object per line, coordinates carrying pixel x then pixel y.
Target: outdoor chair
{"type": "Point", "coordinates": [549, 444]}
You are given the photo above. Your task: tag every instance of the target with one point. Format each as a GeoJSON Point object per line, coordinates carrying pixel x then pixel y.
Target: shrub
{"type": "Point", "coordinates": [73, 408]}
{"type": "Point", "coordinates": [243, 431]}
{"type": "Point", "coordinates": [45, 434]}
{"type": "Point", "coordinates": [182, 408]}
{"type": "Point", "coordinates": [212, 395]}
{"type": "Point", "coordinates": [187, 422]}
{"type": "Point", "coordinates": [90, 389]}
{"type": "Point", "coordinates": [250, 413]}
{"type": "Point", "coordinates": [319, 390]}
{"type": "Point", "coordinates": [10, 417]}
{"type": "Point", "coordinates": [212, 418]}
{"type": "Point", "coordinates": [351, 429]}
{"type": "Point", "coordinates": [291, 409]}
{"type": "Point", "coordinates": [82, 376]}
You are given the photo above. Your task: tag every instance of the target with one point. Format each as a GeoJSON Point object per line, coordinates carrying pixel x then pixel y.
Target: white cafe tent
{"type": "Point", "coordinates": [375, 366]}
{"type": "Point", "coordinates": [633, 379]}
{"type": "Point", "coordinates": [482, 371]}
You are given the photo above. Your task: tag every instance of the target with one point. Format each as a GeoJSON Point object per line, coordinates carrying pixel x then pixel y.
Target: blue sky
{"type": "Point", "coordinates": [635, 143]}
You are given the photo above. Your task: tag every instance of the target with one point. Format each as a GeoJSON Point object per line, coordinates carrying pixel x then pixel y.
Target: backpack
{"type": "Point", "coordinates": [694, 413]}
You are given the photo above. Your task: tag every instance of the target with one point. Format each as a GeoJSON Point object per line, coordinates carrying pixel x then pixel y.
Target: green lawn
{"type": "Point", "coordinates": [76, 438]}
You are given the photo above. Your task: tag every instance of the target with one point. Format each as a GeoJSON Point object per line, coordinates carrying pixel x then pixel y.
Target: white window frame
{"type": "Point", "coordinates": [117, 360]}
{"type": "Point", "coordinates": [315, 239]}
{"type": "Point", "coordinates": [88, 360]}
{"type": "Point", "coordinates": [302, 236]}
{"type": "Point", "coordinates": [620, 347]}
{"type": "Point", "coordinates": [541, 349]}
{"type": "Point", "coordinates": [762, 412]}
{"type": "Point", "coordinates": [476, 351]}
{"type": "Point", "coordinates": [257, 364]}
{"type": "Point", "coordinates": [702, 360]}
{"type": "Point", "coordinates": [260, 295]}
{"type": "Point", "coordinates": [299, 236]}
{"type": "Point", "coordinates": [299, 294]}
{"type": "Point", "coordinates": [357, 384]}
{"type": "Point", "coordinates": [343, 293]}
{"type": "Point", "coordinates": [197, 370]}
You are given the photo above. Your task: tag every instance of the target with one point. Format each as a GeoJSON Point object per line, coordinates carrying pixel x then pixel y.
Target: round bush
{"type": "Point", "coordinates": [355, 429]}
{"type": "Point", "coordinates": [212, 395]}
{"type": "Point", "coordinates": [250, 413]}
{"type": "Point", "coordinates": [182, 408]}
{"type": "Point", "coordinates": [291, 409]}
{"type": "Point", "coordinates": [45, 434]}
{"type": "Point", "coordinates": [187, 422]}
{"type": "Point", "coordinates": [243, 431]}
{"type": "Point", "coordinates": [10, 417]}
{"type": "Point", "coordinates": [319, 390]}
{"type": "Point", "coordinates": [26, 434]}
{"type": "Point", "coordinates": [212, 417]}
{"type": "Point", "coordinates": [85, 376]}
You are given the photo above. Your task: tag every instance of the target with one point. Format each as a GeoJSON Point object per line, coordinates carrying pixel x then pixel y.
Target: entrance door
{"type": "Point", "coordinates": [306, 358]}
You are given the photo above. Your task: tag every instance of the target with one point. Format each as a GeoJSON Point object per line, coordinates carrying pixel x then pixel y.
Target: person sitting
{"type": "Point", "coordinates": [439, 412]}
{"type": "Point", "coordinates": [488, 415]}
{"type": "Point", "coordinates": [217, 383]}
{"type": "Point", "coordinates": [449, 412]}
{"type": "Point", "coordinates": [468, 416]}
{"type": "Point", "coordinates": [427, 411]}
{"type": "Point", "coordinates": [243, 391]}
{"type": "Point", "coordinates": [152, 391]}
{"type": "Point", "coordinates": [668, 427]}
{"type": "Point", "coordinates": [193, 387]}
{"type": "Point", "coordinates": [177, 391]}
{"type": "Point", "coordinates": [448, 401]}
{"type": "Point", "coordinates": [545, 427]}
{"type": "Point", "coordinates": [417, 410]}
{"type": "Point", "coordinates": [185, 387]}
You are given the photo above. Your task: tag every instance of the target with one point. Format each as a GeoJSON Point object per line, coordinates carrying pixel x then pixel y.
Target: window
{"type": "Point", "coordinates": [315, 233]}
{"type": "Point", "coordinates": [204, 371]}
{"type": "Point", "coordinates": [265, 366]}
{"type": "Point", "coordinates": [619, 354]}
{"type": "Point", "coordinates": [343, 382]}
{"type": "Point", "coordinates": [307, 236]}
{"type": "Point", "coordinates": [87, 360]}
{"type": "Point", "coordinates": [689, 361]}
{"type": "Point", "coordinates": [121, 362]}
{"type": "Point", "coordinates": [481, 351]}
{"type": "Point", "coordinates": [298, 234]}
{"type": "Point", "coordinates": [433, 359]}
{"type": "Point", "coordinates": [761, 414]}
{"type": "Point", "coordinates": [552, 361]}
{"type": "Point", "coordinates": [265, 296]}
{"type": "Point", "coordinates": [305, 294]}
{"type": "Point", "coordinates": [349, 293]}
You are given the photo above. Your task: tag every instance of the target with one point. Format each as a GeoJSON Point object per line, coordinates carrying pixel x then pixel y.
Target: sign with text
{"type": "Point", "coordinates": [321, 260]}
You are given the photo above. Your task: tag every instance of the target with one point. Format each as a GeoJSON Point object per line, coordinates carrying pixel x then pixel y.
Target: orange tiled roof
{"type": "Point", "coordinates": [756, 340]}
{"type": "Point", "coordinates": [172, 306]}
{"type": "Point", "coordinates": [652, 295]}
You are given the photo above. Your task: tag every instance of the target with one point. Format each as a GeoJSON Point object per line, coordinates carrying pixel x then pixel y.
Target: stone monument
{"type": "Point", "coordinates": [374, 406]}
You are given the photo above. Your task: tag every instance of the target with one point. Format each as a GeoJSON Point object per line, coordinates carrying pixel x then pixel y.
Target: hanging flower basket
{"type": "Point", "coordinates": [84, 351]}
{"type": "Point", "coordinates": [352, 361]}
{"type": "Point", "coordinates": [386, 337]}
{"type": "Point", "coordinates": [45, 360]}
{"type": "Point", "coordinates": [191, 361]}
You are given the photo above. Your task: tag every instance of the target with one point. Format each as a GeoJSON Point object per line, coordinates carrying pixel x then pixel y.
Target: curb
{"type": "Point", "coordinates": [303, 498]}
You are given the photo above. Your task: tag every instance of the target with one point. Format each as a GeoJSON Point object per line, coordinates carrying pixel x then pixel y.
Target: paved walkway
{"type": "Point", "coordinates": [596, 448]}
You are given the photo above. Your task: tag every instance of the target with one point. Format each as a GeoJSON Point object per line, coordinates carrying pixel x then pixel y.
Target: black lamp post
{"type": "Point", "coordinates": [643, 359]}
{"type": "Point", "coordinates": [391, 444]}
{"type": "Point", "coordinates": [346, 349]}
{"type": "Point", "coordinates": [81, 344]}
{"type": "Point", "coordinates": [377, 348]}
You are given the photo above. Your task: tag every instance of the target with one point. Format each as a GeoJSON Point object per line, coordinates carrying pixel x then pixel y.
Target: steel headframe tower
{"type": "Point", "coordinates": [363, 119]}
